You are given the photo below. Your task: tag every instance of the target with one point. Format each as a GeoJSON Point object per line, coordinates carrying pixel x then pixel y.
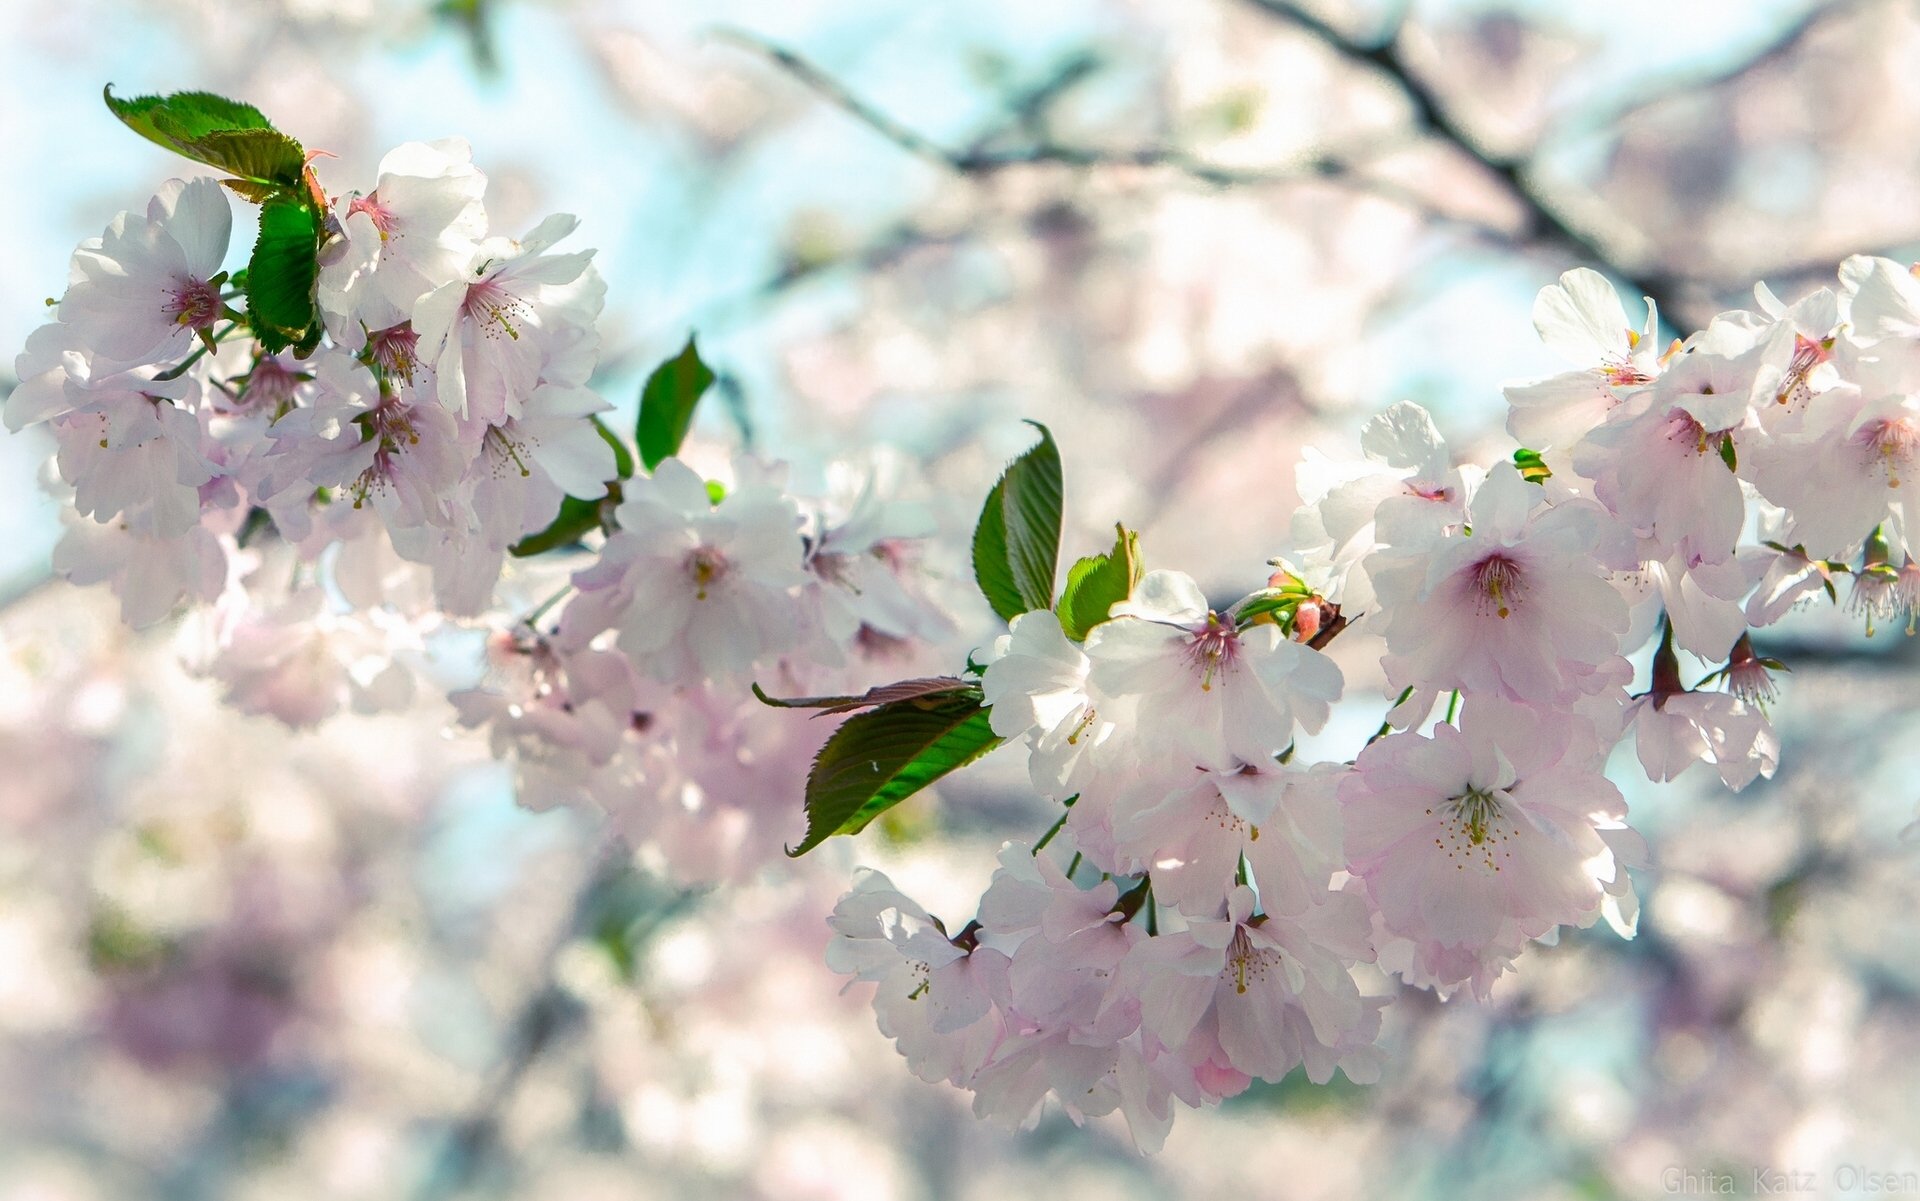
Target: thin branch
{"type": "Point", "coordinates": [832, 89]}
{"type": "Point", "coordinates": [1547, 220]}
{"type": "Point", "coordinates": [979, 160]}
{"type": "Point", "coordinates": [1596, 118]}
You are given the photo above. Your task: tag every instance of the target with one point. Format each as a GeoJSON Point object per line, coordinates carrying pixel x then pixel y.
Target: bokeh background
{"type": "Point", "coordinates": [1194, 237]}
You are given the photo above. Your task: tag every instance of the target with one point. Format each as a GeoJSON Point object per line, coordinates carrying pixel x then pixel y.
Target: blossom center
{"type": "Point", "coordinates": [1497, 584]}
{"type": "Point", "coordinates": [1807, 354]}
{"type": "Point", "coordinates": [383, 217]}
{"type": "Point", "coordinates": [1684, 431]}
{"type": "Point", "coordinates": [1473, 827]}
{"type": "Point", "coordinates": [1893, 442]}
{"type": "Point", "coordinates": [507, 446]}
{"type": "Point", "coordinates": [270, 385]}
{"type": "Point", "coordinates": [1214, 650]}
{"type": "Point", "coordinates": [493, 308]}
{"type": "Point", "coordinates": [706, 567]}
{"type": "Point", "coordinates": [395, 349]}
{"type": "Point", "coordinates": [1248, 964]}
{"type": "Point", "coordinates": [389, 425]}
{"type": "Point", "coordinates": [194, 303]}
{"type": "Point", "coordinates": [1622, 373]}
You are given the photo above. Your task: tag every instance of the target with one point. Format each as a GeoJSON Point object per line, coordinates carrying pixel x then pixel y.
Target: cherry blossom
{"type": "Point", "coordinates": [1190, 684]}
{"type": "Point", "coordinates": [417, 231]}
{"type": "Point", "coordinates": [144, 289]}
{"type": "Point", "coordinates": [1477, 838]}
{"type": "Point", "coordinates": [1513, 608]}
{"type": "Point", "coordinates": [1581, 318]}
{"type": "Point", "coordinates": [695, 589]}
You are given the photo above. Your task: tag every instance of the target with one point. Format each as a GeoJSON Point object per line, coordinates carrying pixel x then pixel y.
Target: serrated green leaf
{"type": "Point", "coordinates": [622, 457]}
{"type": "Point", "coordinates": [667, 403]}
{"type": "Point", "coordinates": [576, 518]}
{"type": "Point", "coordinates": [1016, 545]}
{"type": "Point", "coordinates": [247, 189]}
{"type": "Point", "coordinates": [281, 274]}
{"type": "Point", "coordinates": [925, 691]}
{"type": "Point", "coordinates": [263, 156]}
{"type": "Point", "coordinates": [1098, 582]}
{"type": "Point", "coordinates": [881, 757]}
{"type": "Point", "coordinates": [214, 130]}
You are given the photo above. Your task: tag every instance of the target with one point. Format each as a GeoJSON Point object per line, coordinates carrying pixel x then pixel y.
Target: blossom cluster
{"type": "Point", "coordinates": [367, 479]}
{"type": "Point", "coordinates": [342, 518]}
{"type": "Point", "coordinates": [1225, 900]}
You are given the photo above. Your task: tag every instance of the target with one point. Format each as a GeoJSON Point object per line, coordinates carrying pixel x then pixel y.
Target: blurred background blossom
{"type": "Point", "coordinates": [1193, 236]}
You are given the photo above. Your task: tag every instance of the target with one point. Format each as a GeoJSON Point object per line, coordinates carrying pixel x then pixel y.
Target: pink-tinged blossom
{"type": "Point", "coordinates": [1581, 318]}
{"type": "Point", "coordinates": [1065, 943]}
{"type": "Point", "coordinates": [1481, 837]}
{"type": "Point", "coordinates": [1672, 732]}
{"type": "Point", "coordinates": [1264, 993]}
{"type": "Point", "coordinates": [140, 293]}
{"type": "Point", "coordinates": [1190, 687]}
{"type": "Point", "coordinates": [1789, 579]}
{"type": "Point", "coordinates": [1036, 687]}
{"type": "Point", "coordinates": [860, 565]}
{"type": "Point", "coordinates": [1519, 608]}
{"type": "Point", "coordinates": [1657, 461]}
{"type": "Point", "coordinates": [1191, 831]}
{"type": "Point", "coordinates": [301, 662]}
{"type": "Point", "coordinates": [488, 334]}
{"type": "Point", "coordinates": [415, 232]}
{"type": "Point", "coordinates": [562, 720]}
{"type": "Point", "coordinates": [1406, 482]}
{"type": "Point", "coordinates": [529, 464]}
{"type": "Point", "coordinates": [1798, 341]}
{"type": "Point", "coordinates": [388, 450]}
{"type": "Point", "coordinates": [126, 440]}
{"type": "Point", "coordinates": [1851, 464]}
{"type": "Point", "coordinates": [938, 998]}
{"type": "Point", "coordinates": [1701, 600]}
{"type": "Point", "coordinates": [695, 589]}
{"type": "Point", "coordinates": [1883, 300]}
{"type": "Point", "coordinates": [148, 572]}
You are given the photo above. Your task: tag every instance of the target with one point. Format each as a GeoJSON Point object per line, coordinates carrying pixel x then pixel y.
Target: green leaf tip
{"type": "Point", "coordinates": [879, 758]}
{"type": "Point", "coordinates": [667, 404]}
{"type": "Point", "coordinates": [1098, 582]}
{"type": "Point", "coordinates": [230, 135]}
{"type": "Point", "coordinates": [1016, 545]}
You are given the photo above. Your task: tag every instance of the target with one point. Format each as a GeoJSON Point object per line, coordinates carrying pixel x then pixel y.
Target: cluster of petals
{"type": "Point", "coordinates": [340, 520]}
{"type": "Point", "coordinates": [1212, 903]}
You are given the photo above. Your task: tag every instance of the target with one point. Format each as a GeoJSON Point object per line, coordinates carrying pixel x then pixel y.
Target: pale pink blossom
{"type": "Point", "coordinates": [1517, 608]}
{"type": "Point", "coordinates": [695, 589]}
{"type": "Point", "coordinates": [141, 292]}
{"type": "Point", "coordinates": [1191, 687]}
{"type": "Point", "coordinates": [415, 232]}
{"type": "Point", "coordinates": [1481, 837]}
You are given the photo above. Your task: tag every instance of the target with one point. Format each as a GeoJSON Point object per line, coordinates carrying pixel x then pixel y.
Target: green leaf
{"type": "Point", "coordinates": [264, 156]}
{"type": "Point", "coordinates": [881, 757]}
{"type": "Point", "coordinates": [214, 130]}
{"type": "Point", "coordinates": [1016, 546]}
{"type": "Point", "coordinates": [575, 519]}
{"type": "Point", "coordinates": [1727, 454]}
{"type": "Point", "coordinates": [667, 404]}
{"type": "Point", "coordinates": [622, 457]}
{"type": "Point", "coordinates": [1098, 582]}
{"type": "Point", "coordinates": [281, 275]}
{"type": "Point", "coordinates": [926, 691]}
